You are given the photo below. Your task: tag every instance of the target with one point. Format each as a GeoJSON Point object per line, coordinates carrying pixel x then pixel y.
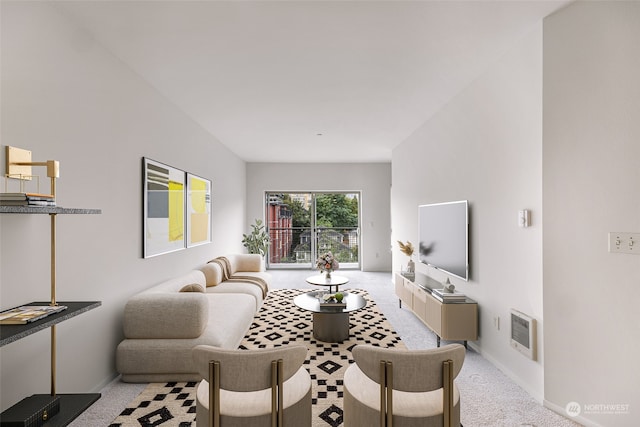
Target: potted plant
{"type": "Point", "coordinates": [258, 240]}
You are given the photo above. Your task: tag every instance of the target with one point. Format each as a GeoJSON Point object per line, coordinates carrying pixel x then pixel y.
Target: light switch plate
{"type": "Point", "coordinates": [624, 243]}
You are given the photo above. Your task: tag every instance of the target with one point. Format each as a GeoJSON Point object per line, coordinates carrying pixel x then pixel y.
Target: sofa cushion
{"type": "Point", "coordinates": [166, 315]}
{"type": "Point", "coordinates": [244, 262]}
{"type": "Point", "coordinates": [212, 273]}
{"type": "Point", "coordinates": [238, 287]}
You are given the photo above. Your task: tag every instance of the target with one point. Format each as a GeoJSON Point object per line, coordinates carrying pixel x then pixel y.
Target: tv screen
{"type": "Point", "coordinates": [443, 229]}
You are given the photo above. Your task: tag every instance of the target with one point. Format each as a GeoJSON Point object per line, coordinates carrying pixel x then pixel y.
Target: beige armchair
{"type": "Point", "coordinates": [389, 387]}
{"type": "Point", "coordinates": [252, 388]}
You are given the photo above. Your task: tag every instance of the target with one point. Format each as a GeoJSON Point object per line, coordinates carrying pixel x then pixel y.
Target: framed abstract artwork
{"type": "Point", "coordinates": [198, 210]}
{"type": "Point", "coordinates": [164, 208]}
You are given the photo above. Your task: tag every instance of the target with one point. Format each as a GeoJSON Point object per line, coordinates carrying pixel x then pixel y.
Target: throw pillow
{"type": "Point", "coordinates": [192, 288]}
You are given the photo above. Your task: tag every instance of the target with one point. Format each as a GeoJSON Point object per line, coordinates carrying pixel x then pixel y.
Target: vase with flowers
{"type": "Point", "coordinates": [407, 249]}
{"type": "Point", "coordinates": [327, 263]}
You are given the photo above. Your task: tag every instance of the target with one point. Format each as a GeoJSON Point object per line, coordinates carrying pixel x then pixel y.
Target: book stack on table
{"type": "Point", "coordinates": [333, 303]}
{"type": "Point", "coordinates": [447, 296]}
{"type": "Point", "coordinates": [26, 199]}
{"type": "Point", "coordinates": [330, 301]}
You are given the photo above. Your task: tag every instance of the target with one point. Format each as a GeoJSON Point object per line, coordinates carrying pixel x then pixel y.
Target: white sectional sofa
{"type": "Point", "coordinates": [213, 305]}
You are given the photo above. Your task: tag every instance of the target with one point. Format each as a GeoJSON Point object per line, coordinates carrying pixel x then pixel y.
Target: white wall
{"type": "Point", "coordinates": [486, 146]}
{"type": "Point", "coordinates": [66, 98]}
{"type": "Point", "coordinates": [592, 187]}
{"type": "Point", "coordinates": [372, 180]}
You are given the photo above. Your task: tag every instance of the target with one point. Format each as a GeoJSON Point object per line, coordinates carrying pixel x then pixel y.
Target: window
{"type": "Point", "coordinates": [303, 225]}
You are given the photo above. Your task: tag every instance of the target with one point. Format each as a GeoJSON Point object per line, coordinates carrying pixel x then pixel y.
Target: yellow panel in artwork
{"type": "Point", "coordinates": [198, 195]}
{"type": "Point", "coordinates": [199, 227]}
{"type": "Point", "coordinates": [176, 211]}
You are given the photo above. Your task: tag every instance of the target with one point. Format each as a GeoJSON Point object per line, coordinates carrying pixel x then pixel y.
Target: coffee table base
{"type": "Point", "coordinates": [331, 327]}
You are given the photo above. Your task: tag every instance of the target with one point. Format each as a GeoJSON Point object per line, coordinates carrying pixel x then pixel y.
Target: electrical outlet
{"type": "Point", "coordinates": [625, 243]}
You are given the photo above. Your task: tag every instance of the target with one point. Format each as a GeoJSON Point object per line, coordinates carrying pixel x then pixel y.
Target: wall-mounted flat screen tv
{"type": "Point", "coordinates": [443, 229]}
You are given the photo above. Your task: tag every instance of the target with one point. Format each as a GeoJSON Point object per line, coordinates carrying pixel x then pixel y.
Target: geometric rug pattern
{"type": "Point", "coordinates": [161, 404]}
{"type": "Point", "coordinates": [279, 322]}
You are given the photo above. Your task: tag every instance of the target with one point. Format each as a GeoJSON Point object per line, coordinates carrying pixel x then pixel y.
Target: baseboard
{"type": "Point", "coordinates": [115, 377]}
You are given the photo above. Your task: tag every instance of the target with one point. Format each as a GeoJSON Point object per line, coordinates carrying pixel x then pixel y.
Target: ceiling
{"type": "Point", "coordinates": [309, 81]}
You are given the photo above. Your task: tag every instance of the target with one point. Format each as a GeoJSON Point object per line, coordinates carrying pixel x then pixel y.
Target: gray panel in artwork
{"type": "Point", "coordinates": [158, 204]}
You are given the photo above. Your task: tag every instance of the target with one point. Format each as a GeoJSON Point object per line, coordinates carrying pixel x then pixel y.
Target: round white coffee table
{"type": "Point", "coordinates": [321, 280]}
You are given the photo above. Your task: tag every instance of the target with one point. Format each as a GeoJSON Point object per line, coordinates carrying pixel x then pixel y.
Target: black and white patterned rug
{"type": "Point", "coordinates": [279, 322]}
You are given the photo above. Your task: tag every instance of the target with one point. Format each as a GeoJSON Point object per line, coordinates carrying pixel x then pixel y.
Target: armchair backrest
{"type": "Point", "coordinates": [413, 370]}
{"type": "Point", "coordinates": [248, 370]}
